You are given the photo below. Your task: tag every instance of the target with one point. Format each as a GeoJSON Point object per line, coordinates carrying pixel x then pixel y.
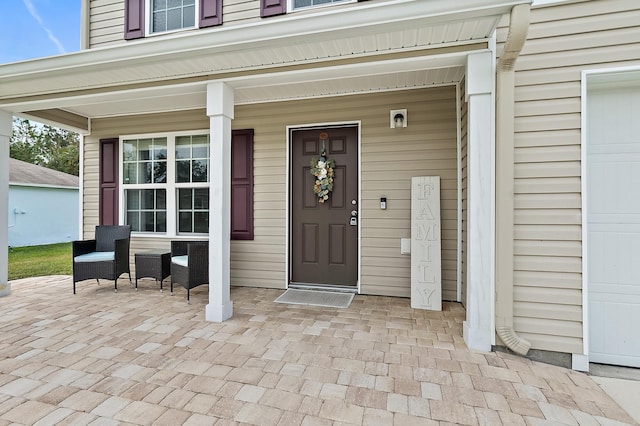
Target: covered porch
{"type": "Point", "coordinates": [381, 48]}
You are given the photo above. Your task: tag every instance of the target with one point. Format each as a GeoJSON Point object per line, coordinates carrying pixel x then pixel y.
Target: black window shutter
{"type": "Point", "coordinates": [108, 183]}
{"type": "Point", "coordinates": [272, 7]}
{"type": "Point", "coordinates": [242, 184]}
{"type": "Point", "coordinates": [210, 13]}
{"type": "Point", "coordinates": [133, 19]}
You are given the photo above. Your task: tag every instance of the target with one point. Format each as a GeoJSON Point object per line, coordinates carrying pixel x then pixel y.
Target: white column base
{"type": "Point", "coordinates": [5, 289]}
{"type": "Point", "coordinates": [219, 313]}
{"type": "Point", "coordinates": [580, 362]}
{"type": "Point", "coordinates": [476, 339]}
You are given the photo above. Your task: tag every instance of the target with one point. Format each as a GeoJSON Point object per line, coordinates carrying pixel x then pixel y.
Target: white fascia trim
{"type": "Point", "coordinates": [40, 185]}
{"type": "Point", "coordinates": [538, 4]}
{"type": "Point", "coordinates": [265, 32]}
{"type": "Point", "coordinates": [585, 231]}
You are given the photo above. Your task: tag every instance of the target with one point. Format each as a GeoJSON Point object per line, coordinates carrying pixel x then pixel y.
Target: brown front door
{"type": "Point", "coordinates": [324, 239]}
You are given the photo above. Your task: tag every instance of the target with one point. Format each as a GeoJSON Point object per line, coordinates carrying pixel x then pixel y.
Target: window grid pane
{"type": "Point", "coordinates": [146, 210]}
{"type": "Point", "coordinates": [193, 210]}
{"type": "Point", "coordinates": [170, 15]}
{"type": "Point", "coordinates": [192, 158]}
{"type": "Point", "coordinates": [145, 161]}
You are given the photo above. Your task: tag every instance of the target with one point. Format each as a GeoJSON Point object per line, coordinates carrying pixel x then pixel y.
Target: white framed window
{"type": "Point", "coordinates": [306, 4]}
{"type": "Point", "coordinates": [165, 183]}
{"type": "Point", "coordinates": [170, 15]}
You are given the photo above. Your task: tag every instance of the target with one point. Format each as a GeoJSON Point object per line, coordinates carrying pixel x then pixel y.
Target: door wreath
{"type": "Point", "coordinates": [322, 169]}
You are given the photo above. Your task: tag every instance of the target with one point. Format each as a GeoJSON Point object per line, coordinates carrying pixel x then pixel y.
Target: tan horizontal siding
{"type": "Point", "coordinates": [550, 138]}
{"type": "Point", "coordinates": [547, 216]}
{"type": "Point", "coordinates": [550, 311]}
{"type": "Point", "coordinates": [563, 41]}
{"type": "Point", "coordinates": [544, 278]}
{"type": "Point", "coordinates": [236, 12]}
{"type": "Point", "coordinates": [106, 19]}
{"type": "Point", "coordinates": [556, 296]}
{"type": "Point", "coordinates": [529, 168]}
{"type": "Point", "coordinates": [106, 22]}
{"type": "Point", "coordinates": [548, 232]}
{"type": "Point", "coordinates": [547, 201]}
{"type": "Point", "coordinates": [548, 248]}
{"type": "Point", "coordinates": [262, 262]}
{"type": "Point", "coordinates": [426, 147]}
{"type": "Point", "coordinates": [419, 146]}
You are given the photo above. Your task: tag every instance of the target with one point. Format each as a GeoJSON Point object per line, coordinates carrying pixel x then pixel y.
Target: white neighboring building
{"type": "Point", "coordinates": [43, 205]}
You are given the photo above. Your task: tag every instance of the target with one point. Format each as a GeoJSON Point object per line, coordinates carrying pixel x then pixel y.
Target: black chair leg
{"type": "Point", "coordinates": [188, 300]}
{"type": "Point", "coordinates": [116, 284]}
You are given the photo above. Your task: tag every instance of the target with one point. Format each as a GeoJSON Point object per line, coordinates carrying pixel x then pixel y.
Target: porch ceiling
{"type": "Point", "coordinates": [351, 49]}
{"type": "Point", "coordinates": [333, 81]}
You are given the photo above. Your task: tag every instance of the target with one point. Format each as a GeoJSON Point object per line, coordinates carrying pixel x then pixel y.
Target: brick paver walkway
{"type": "Point", "coordinates": [146, 357]}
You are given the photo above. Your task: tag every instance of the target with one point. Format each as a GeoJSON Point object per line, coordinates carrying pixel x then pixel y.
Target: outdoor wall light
{"type": "Point", "coordinates": [397, 118]}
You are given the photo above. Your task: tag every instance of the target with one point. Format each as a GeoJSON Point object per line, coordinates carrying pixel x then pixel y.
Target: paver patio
{"type": "Point", "coordinates": [146, 357]}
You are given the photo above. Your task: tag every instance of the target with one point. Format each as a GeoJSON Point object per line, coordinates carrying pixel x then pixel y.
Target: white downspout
{"type": "Point", "coordinates": [505, 128]}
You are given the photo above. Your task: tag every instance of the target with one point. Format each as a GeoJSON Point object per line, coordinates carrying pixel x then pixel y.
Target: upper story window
{"type": "Point", "coordinates": [301, 4]}
{"type": "Point", "coordinates": [171, 15]}
{"type": "Point", "coordinates": [151, 17]}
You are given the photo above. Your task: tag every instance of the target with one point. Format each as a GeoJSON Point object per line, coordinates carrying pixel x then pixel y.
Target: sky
{"type": "Point", "coordinates": [38, 28]}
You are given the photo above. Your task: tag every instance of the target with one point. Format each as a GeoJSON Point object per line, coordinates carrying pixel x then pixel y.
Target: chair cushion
{"type": "Point", "coordinates": [181, 260]}
{"type": "Point", "coordinates": [96, 256]}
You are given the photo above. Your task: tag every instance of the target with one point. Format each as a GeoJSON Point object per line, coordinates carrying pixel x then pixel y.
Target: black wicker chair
{"type": "Point", "coordinates": [106, 256]}
{"type": "Point", "coordinates": [193, 272]}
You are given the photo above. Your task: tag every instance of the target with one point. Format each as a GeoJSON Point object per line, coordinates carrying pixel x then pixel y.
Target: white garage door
{"type": "Point", "coordinates": [613, 221]}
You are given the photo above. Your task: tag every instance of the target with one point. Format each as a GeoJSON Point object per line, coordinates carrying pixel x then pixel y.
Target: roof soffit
{"type": "Point", "coordinates": [392, 72]}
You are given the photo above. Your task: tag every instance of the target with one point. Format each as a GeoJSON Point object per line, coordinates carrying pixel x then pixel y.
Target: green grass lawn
{"type": "Point", "coordinates": [36, 261]}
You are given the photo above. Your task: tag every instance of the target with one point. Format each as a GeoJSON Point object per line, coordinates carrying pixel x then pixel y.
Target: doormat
{"type": "Point", "coordinates": [328, 299]}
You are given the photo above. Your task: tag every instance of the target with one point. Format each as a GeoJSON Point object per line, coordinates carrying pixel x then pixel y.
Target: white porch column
{"type": "Point", "coordinates": [478, 328]}
{"type": "Point", "coordinates": [6, 119]}
{"type": "Point", "coordinates": [220, 112]}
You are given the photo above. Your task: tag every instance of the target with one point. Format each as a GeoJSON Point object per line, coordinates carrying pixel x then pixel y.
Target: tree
{"type": "Point", "coordinates": [45, 145]}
